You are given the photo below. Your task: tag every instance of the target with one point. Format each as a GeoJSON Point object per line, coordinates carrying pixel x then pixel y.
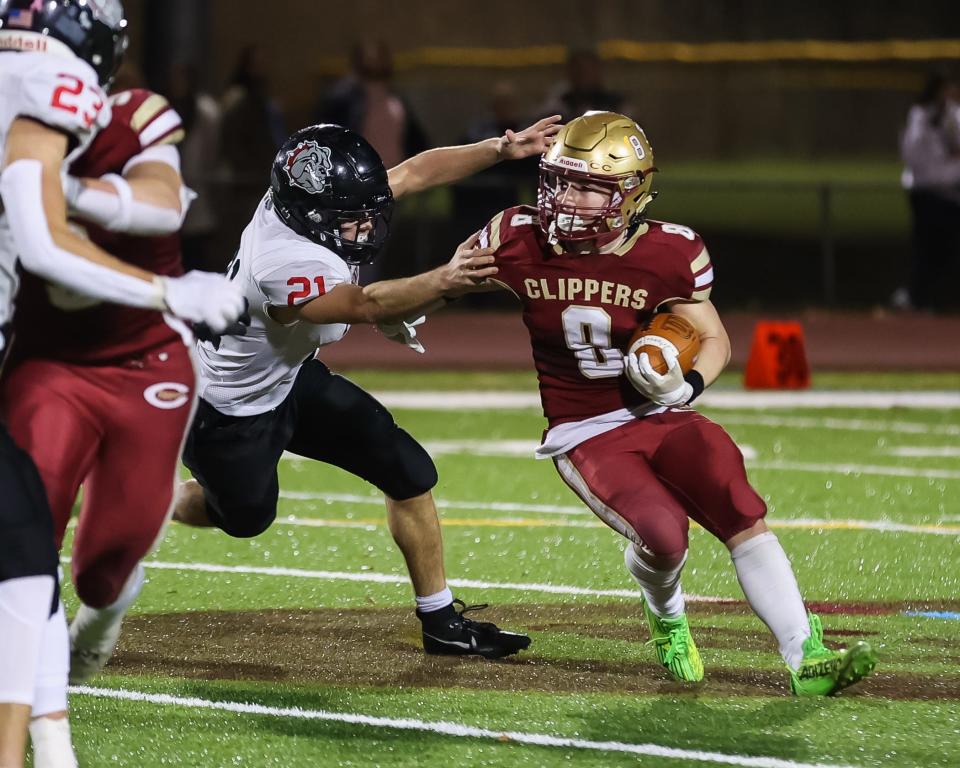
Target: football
{"type": "Point", "coordinates": [663, 331]}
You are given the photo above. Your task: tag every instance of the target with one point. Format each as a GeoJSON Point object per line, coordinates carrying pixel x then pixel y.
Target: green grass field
{"type": "Point", "coordinates": [300, 648]}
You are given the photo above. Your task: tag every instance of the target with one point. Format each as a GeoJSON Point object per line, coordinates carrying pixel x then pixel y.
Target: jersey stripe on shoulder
{"type": "Point", "coordinates": [152, 106]}
{"type": "Point", "coordinates": [153, 120]}
{"type": "Point", "coordinates": [702, 271]}
{"type": "Point", "coordinates": [490, 234]}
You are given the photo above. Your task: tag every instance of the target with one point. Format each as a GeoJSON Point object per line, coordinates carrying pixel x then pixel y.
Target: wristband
{"type": "Point", "coordinates": [695, 380]}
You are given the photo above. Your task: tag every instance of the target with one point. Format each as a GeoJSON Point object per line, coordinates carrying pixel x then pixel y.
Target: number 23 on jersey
{"type": "Point", "coordinates": [78, 98]}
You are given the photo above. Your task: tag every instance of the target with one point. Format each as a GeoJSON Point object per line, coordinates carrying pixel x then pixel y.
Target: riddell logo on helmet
{"type": "Point", "coordinates": [572, 163]}
{"type": "Point", "coordinates": [308, 166]}
{"type": "Point", "coordinates": [23, 42]}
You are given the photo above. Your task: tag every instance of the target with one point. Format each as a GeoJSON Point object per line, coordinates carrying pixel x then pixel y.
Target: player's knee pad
{"type": "Point", "coordinates": [52, 667]}
{"type": "Point", "coordinates": [660, 534]}
{"type": "Point", "coordinates": [411, 472]}
{"type": "Point", "coordinates": [23, 617]}
{"type": "Point", "coordinates": [244, 522]}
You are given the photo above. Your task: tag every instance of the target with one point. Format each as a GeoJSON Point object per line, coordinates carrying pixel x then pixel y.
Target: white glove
{"type": "Point", "coordinates": [204, 297]}
{"type": "Point", "coordinates": [404, 333]}
{"type": "Point", "coordinates": [669, 389]}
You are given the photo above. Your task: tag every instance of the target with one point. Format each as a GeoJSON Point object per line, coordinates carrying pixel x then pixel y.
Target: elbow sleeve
{"type": "Point", "coordinates": [21, 186]}
{"type": "Point", "coordinates": [122, 212]}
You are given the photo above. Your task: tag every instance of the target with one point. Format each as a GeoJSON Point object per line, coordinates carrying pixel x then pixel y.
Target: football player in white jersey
{"type": "Point", "coordinates": [327, 212]}
{"type": "Point", "coordinates": [55, 58]}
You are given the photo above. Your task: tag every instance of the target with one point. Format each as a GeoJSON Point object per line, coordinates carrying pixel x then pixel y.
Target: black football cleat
{"type": "Point", "coordinates": [456, 635]}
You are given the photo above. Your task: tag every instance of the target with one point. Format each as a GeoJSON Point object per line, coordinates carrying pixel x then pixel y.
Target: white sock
{"type": "Point", "coordinates": [661, 589]}
{"type": "Point", "coordinates": [434, 602]}
{"type": "Point", "coordinates": [52, 669]}
{"type": "Point", "coordinates": [52, 747]}
{"type": "Point", "coordinates": [91, 626]}
{"type": "Point", "coordinates": [767, 580]}
{"type": "Point", "coordinates": [24, 610]}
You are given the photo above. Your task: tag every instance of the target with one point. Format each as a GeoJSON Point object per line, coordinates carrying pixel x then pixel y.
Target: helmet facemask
{"type": "Point", "coordinates": [602, 152]}
{"type": "Point", "coordinates": [354, 242]}
{"type": "Point", "coordinates": [331, 228]}
{"type": "Point", "coordinates": [568, 222]}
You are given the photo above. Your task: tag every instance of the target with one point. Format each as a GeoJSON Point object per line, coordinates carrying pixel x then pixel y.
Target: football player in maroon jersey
{"type": "Point", "coordinates": [57, 56]}
{"type": "Point", "coordinates": [101, 394]}
{"type": "Point", "coordinates": [588, 268]}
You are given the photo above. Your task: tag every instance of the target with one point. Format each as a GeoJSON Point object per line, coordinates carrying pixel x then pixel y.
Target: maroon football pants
{"type": "Point", "coordinates": [116, 429]}
{"type": "Point", "coordinates": [647, 477]}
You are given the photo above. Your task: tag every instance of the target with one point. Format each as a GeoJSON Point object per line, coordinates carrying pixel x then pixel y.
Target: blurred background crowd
{"type": "Point", "coordinates": [816, 147]}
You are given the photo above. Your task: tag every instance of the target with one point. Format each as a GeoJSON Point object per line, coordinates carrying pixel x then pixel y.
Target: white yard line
{"type": "Point", "coordinates": [491, 448]}
{"type": "Point", "coordinates": [883, 526]}
{"type": "Point", "coordinates": [925, 451]}
{"type": "Point", "coordinates": [501, 448]}
{"type": "Point", "coordinates": [494, 506]}
{"type": "Point", "coordinates": [445, 728]}
{"type": "Point", "coordinates": [851, 425]}
{"type": "Point", "coordinates": [856, 469]}
{"type": "Point", "coordinates": [480, 401]}
{"type": "Point", "coordinates": [579, 510]}
{"type": "Point", "coordinates": [392, 578]}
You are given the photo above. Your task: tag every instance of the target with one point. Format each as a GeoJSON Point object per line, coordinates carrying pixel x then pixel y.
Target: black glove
{"type": "Point", "coordinates": [238, 327]}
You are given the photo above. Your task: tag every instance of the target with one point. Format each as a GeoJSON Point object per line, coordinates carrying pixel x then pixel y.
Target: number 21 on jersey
{"type": "Point", "coordinates": [588, 331]}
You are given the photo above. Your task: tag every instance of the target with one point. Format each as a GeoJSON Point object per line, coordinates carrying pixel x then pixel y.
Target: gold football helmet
{"type": "Point", "coordinates": [602, 149]}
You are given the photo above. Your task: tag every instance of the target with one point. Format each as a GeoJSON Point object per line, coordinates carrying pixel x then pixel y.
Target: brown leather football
{"type": "Point", "coordinates": [663, 330]}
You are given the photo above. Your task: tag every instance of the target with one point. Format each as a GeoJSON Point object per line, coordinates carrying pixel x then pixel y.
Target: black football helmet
{"type": "Point", "coordinates": [326, 175]}
{"type": "Point", "coordinates": [95, 30]}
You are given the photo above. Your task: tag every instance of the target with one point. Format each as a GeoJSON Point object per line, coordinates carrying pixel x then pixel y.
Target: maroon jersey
{"type": "Point", "coordinates": [52, 322]}
{"type": "Point", "coordinates": [582, 310]}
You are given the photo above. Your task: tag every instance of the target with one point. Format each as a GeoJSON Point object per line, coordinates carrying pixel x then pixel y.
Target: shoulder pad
{"type": "Point", "coordinates": [508, 225]}
{"type": "Point", "coordinates": [689, 245]}
{"type": "Point", "coordinates": [62, 93]}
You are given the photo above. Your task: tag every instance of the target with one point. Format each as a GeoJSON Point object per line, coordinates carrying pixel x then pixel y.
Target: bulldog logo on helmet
{"type": "Point", "coordinates": [308, 166]}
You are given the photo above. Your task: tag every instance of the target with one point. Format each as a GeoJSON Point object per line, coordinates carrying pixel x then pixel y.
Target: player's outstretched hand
{"type": "Point", "coordinates": [669, 388]}
{"type": "Point", "coordinates": [204, 297]}
{"type": "Point", "coordinates": [468, 269]}
{"type": "Point", "coordinates": [404, 333]}
{"type": "Point", "coordinates": [533, 140]}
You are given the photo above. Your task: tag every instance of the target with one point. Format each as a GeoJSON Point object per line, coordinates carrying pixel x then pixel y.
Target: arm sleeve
{"type": "Point", "coordinates": [302, 277]}
{"type": "Point", "coordinates": [120, 211]}
{"type": "Point", "coordinates": [21, 189]}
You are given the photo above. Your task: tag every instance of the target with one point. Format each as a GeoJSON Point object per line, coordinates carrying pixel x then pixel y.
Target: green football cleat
{"type": "Point", "coordinates": [675, 647]}
{"type": "Point", "coordinates": [824, 672]}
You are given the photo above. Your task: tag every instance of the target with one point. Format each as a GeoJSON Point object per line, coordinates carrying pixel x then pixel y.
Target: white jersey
{"type": "Point", "coordinates": [254, 373]}
{"type": "Point", "coordinates": [58, 90]}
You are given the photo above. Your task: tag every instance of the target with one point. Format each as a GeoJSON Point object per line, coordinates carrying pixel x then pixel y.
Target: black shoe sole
{"type": "Point", "coordinates": [435, 647]}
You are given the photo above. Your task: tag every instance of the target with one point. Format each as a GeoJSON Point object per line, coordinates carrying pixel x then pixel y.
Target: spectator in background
{"type": "Point", "coordinates": [199, 162]}
{"type": "Point", "coordinates": [583, 89]}
{"type": "Point", "coordinates": [498, 187]}
{"type": "Point", "coordinates": [252, 127]}
{"type": "Point", "coordinates": [365, 101]}
{"type": "Point", "coordinates": [930, 148]}
{"type": "Point", "coordinates": [251, 130]}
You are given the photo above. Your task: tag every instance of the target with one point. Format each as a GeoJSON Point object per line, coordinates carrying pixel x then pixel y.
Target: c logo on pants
{"type": "Point", "coordinates": [167, 395]}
